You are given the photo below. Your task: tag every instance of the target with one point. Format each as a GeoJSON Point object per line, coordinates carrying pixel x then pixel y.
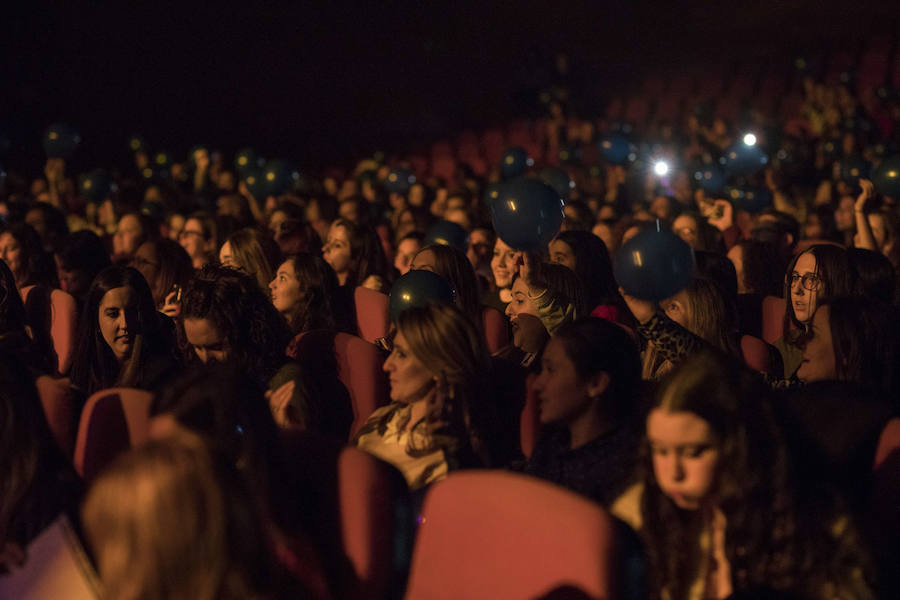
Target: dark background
{"type": "Point", "coordinates": [336, 80]}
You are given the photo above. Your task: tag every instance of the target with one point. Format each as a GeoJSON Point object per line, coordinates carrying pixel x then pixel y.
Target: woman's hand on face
{"type": "Point", "coordinates": [642, 310]}
{"type": "Point", "coordinates": [279, 404]}
{"type": "Point", "coordinates": [528, 264]}
{"type": "Point", "coordinates": [722, 215]}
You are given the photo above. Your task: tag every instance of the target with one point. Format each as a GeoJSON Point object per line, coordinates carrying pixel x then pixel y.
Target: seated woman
{"type": "Point", "coordinates": [199, 238]}
{"type": "Point", "coordinates": [356, 255]}
{"type": "Point", "coordinates": [227, 319]}
{"type": "Point", "coordinates": [23, 253]}
{"type": "Point", "coordinates": [588, 389]}
{"type": "Point", "coordinates": [544, 297]}
{"type": "Point", "coordinates": [252, 252]}
{"type": "Point", "coordinates": [122, 340]}
{"type": "Point", "coordinates": [503, 267]}
{"type": "Point", "coordinates": [80, 257]}
{"type": "Point", "coordinates": [438, 419]}
{"type": "Point", "coordinates": [187, 523]}
{"type": "Point", "coordinates": [132, 230]}
{"type": "Point", "coordinates": [37, 479]}
{"type": "Point", "coordinates": [586, 255]}
{"type": "Point", "coordinates": [816, 275]}
{"type": "Point", "coordinates": [716, 505]}
{"type": "Point", "coordinates": [302, 291]}
{"type": "Point", "coordinates": [167, 268]}
{"type": "Point", "coordinates": [453, 266]}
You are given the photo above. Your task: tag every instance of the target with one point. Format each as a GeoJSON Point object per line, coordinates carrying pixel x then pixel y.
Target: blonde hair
{"type": "Point", "coordinates": [162, 525]}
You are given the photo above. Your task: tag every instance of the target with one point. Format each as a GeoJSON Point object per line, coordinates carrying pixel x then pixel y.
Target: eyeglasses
{"type": "Point", "coordinates": [809, 281]}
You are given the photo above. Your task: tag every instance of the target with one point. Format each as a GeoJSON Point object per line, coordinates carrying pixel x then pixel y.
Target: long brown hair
{"type": "Point", "coordinates": [454, 266]}
{"type": "Point", "coordinates": [256, 254]}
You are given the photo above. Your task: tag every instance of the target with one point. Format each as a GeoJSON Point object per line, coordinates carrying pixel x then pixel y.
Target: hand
{"type": "Point", "coordinates": [868, 190]}
{"type": "Point", "coordinates": [722, 216]}
{"type": "Point", "coordinates": [201, 159]}
{"type": "Point", "coordinates": [280, 404]}
{"type": "Point", "coordinates": [54, 170]}
{"type": "Point", "coordinates": [172, 303]}
{"type": "Point", "coordinates": [643, 310]}
{"type": "Point", "coordinates": [528, 267]}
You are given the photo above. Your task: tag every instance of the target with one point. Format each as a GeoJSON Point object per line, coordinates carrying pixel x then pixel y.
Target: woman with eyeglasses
{"type": "Point", "coordinates": [815, 276]}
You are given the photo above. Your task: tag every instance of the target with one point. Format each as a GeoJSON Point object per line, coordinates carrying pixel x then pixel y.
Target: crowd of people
{"type": "Point", "coordinates": [742, 473]}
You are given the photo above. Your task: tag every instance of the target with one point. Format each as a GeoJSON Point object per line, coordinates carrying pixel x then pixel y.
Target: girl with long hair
{"type": "Point", "coordinates": [252, 252]}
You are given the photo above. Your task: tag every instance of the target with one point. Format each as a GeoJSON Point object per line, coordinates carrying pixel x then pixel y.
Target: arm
{"type": "Point", "coordinates": [552, 311]}
{"type": "Point", "coordinates": [866, 238]}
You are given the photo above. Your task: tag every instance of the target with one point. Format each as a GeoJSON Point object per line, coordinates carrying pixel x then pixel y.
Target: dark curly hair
{"type": "Point", "coordinates": [776, 538]}
{"type": "Point", "coordinates": [256, 332]}
{"type": "Point", "coordinates": [593, 266]}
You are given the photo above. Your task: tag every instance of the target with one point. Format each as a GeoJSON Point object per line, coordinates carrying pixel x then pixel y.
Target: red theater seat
{"type": "Point", "coordinates": [112, 421]}
{"type": "Point", "coordinates": [496, 329]}
{"type": "Point", "coordinates": [53, 313]}
{"type": "Point", "coordinates": [499, 535]}
{"type": "Point", "coordinates": [372, 317]}
{"type": "Point", "coordinates": [772, 318]}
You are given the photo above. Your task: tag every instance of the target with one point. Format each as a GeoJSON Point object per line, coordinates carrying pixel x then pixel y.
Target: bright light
{"type": "Point", "coordinates": [750, 139]}
{"type": "Point", "coordinates": [660, 168]}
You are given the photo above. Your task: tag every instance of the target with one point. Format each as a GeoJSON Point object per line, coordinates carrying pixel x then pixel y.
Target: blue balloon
{"type": "Point", "coordinates": [711, 179]}
{"type": "Point", "coordinates": [60, 141]}
{"type": "Point", "coordinates": [279, 177]}
{"type": "Point", "coordinates": [558, 179]}
{"type": "Point", "coordinates": [751, 199]}
{"type": "Point", "coordinates": [447, 233]}
{"type": "Point", "coordinates": [515, 162]}
{"type": "Point", "coordinates": [615, 149]}
{"type": "Point", "coordinates": [398, 181]}
{"type": "Point", "coordinates": [256, 183]}
{"type": "Point", "coordinates": [491, 194]}
{"type": "Point", "coordinates": [654, 265]}
{"type": "Point", "coordinates": [528, 214]}
{"type": "Point", "coordinates": [246, 160]}
{"type": "Point", "coordinates": [741, 159]}
{"type": "Point", "coordinates": [419, 288]}
{"type": "Point", "coordinates": [853, 168]}
{"type": "Point", "coordinates": [886, 177]}
{"type": "Point", "coordinates": [96, 186]}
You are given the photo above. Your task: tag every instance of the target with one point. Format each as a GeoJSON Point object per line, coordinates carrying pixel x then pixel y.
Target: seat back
{"type": "Point", "coordinates": [772, 318]}
{"type": "Point", "coordinates": [530, 423]}
{"type": "Point", "coordinates": [371, 313]}
{"type": "Point", "coordinates": [494, 534]}
{"type": "Point", "coordinates": [756, 354]}
{"type": "Point", "coordinates": [888, 442]}
{"type": "Point", "coordinates": [59, 409]}
{"type": "Point", "coordinates": [112, 421]}
{"type": "Point", "coordinates": [53, 313]}
{"type": "Point", "coordinates": [496, 329]}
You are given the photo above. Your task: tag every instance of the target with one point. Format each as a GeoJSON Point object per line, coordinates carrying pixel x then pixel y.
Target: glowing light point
{"type": "Point", "coordinates": [750, 139]}
{"type": "Point", "coordinates": [661, 168]}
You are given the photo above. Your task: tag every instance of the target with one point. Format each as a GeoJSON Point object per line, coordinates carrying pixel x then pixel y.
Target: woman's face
{"type": "Point", "coordinates": [11, 254]}
{"type": "Point", "coordinates": [176, 225]}
{"type": "Point", "coordinates": [409, 378]}
{"type": "Point", "coordinates": [404, 255]}
{"type": "Point", "coordinates": [562, 254]}
{"type": "Point", "coordinates": [337, 251]}
{"type": "Point", "coordinates": [117, 318]}
{"type": "Point", "coordinates": [127, 237]}
{"type": "Point", "coordinates": [423, 261]}
{"type": "Point", "coordinates": [193, 240]}
{"type": "Point", "coordinates": [818, 352]}
{"type": "Point", "coordinates": [406, 223]}
{"type": "Point", "coordinates": [686, 228]}
{"type": "Point", "coordinates": [804, 300]}
{"type": "Point", "coordinates": [209, 344]}
{"type": "Point", "coordinates": [563, 396]}
{"type": "Point", "coordinates": [520, 304]}
{"type": "Point", "coordinates": [685, 456]}
{"type": "Point", "coordinates": [287, 293]}
{"type": "Point", "coordinates": [147, 262]}
{"type": "Point", "coordinates": [678, 308]}
{"type": "Point", "coordinates": [503, 264]}
{"type": "Point", "coordinates": [226, 256]}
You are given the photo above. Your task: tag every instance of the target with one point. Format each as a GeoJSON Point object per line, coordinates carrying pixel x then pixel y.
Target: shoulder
{"type": "Point", "coordinates": [628, 506]}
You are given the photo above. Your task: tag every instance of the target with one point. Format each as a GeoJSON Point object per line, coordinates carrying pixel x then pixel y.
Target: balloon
{"type": "Point", "coordinates": [447, 233]}
{"type": "Point", "coordinates": [279, 177]}
{"type": "Point", "coordinates": [418, 288]}
{"type": "Point", "coordinates": [95, 186]}
{"type": "Point", "coordinates": [852, 168]}
{"type": "Point", "coordinates": [137, 144]}
{"type": "Point", "coordinates": [654, 265]}
{"type": "Point", "coordinates": [60, 141]}
{"type": "Point", "coordinates": [751, 199]}
{"type": "Point", "coordinates": [515, 162]}
{"type": "Point", "coordinates": [615, 149]}
{"type": "Point", "coordinates": [886, 177]}
{"type": "Point", "coordinates": [246, 160]}
{"type": "Point", "coordinates": [398, 181]}
{"type": "Point", "coordinates": [255, 182]}
{"type": "Point", "coordinates": [741, 159]}
{"type": "Point", "coordinates": [491, 194]}
{"type": "Point", "coordinates": [528, 214]}
{"type": "Point", "coordinates": [558, 179]}
{"type": "Point", "coordinates": [710, 179]}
